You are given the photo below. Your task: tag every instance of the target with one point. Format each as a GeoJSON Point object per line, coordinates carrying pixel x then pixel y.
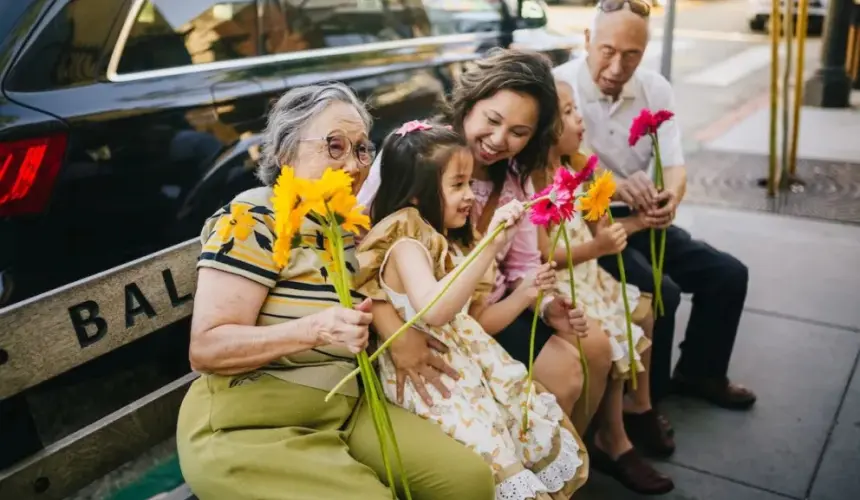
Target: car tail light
{"type": "Point", "coordinates": [28, 169]}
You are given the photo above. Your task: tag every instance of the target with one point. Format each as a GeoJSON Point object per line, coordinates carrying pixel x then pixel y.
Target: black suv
{"type": "Point", "coordinates": [124, 123]}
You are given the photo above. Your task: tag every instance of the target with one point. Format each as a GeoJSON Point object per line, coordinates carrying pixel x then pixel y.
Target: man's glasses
{"type": "Point", "coordinates": [339, 146]}
{"type": "Point", "coordinates": [638, 7]}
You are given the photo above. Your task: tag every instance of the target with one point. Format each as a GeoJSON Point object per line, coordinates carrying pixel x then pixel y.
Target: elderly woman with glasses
{"type": "Point", "coordinates": [270, 342]}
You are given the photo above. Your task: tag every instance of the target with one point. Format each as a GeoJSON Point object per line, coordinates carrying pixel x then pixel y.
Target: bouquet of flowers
{"type": "Point", "coordinates": [647, 124]}
{"type": "Point", "coordinates": [331, 203]}
{"type": "Point", "coordinates": [595, 204]}
{"type": "Point", "coordinates": [548, 213]}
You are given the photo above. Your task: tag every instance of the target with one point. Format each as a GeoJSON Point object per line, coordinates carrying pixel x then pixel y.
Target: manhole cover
{"type": "Point", "coordinates": [821, 189]}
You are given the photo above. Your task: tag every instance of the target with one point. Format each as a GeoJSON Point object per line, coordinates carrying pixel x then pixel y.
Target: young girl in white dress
{"type": "Point", "coordinates": [420, 224]}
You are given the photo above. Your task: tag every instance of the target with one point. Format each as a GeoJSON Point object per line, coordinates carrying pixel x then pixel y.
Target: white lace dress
{"type": "Point", "coordinates": [485, 409]}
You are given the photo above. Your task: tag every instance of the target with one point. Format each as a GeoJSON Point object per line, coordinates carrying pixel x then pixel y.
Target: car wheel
{"type": "Point", "coordinates": [815, 26]}
{"type": "Point", "coordinates": [758, 23]}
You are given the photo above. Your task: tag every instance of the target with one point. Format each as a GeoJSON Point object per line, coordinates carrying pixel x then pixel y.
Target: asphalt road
{"type": "Point", "coordinates": [720, 69]}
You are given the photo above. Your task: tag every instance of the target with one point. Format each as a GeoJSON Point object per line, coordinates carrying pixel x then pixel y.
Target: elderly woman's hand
{"type": "Point", "coordinates": [344, 327]}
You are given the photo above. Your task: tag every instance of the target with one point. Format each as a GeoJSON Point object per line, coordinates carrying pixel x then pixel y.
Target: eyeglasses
{"type": "Point", "coordinates": [339, 146]}
{"type": "Point", "coordinates": [638, 7]}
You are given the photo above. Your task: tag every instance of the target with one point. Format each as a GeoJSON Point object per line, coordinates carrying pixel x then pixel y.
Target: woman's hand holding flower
{"type": "Point", "coordinates": [344, 327]}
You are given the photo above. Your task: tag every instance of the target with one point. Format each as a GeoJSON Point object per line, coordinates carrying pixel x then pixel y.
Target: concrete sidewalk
{"type": "Point", "coordinates": [799, 341]}
{"type": "Point", "coordinates": [797, 348]}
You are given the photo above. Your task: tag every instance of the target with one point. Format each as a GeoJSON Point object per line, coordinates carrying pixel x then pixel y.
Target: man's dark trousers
{"type": "Point", "coordinates": [718, 283]}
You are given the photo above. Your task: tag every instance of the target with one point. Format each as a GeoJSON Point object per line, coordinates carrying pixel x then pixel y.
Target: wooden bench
{"type": "Point", "coordinates": [48, 347]}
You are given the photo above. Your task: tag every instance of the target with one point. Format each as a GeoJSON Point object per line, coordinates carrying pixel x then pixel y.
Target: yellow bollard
{"type": "Point", "coordinates": [802, 26]}
{"type": "Point", "coordinates": [788, 33]}
{"type": "Point", "coordinates": [774, 90]}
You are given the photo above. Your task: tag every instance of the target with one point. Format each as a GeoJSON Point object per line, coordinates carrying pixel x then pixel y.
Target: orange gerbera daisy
{"type": "Point", "coordinates": [596, 201]}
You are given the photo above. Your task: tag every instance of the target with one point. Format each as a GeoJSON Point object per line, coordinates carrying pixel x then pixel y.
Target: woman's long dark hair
{"type": "Point", "coordinates": [411, 168]}
{"type": "Point", "coordinates": [520, 71]}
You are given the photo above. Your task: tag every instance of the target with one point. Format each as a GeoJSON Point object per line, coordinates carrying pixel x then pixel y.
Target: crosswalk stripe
{"type": "Point", "coordinates": [733, 69]}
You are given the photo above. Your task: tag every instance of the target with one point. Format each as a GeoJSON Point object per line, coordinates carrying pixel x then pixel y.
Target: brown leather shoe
{"type": "Point", "coordinates": [632, 471]}
{"type": "Point", "coordinates": [648, 432]}
{"type": "Point", "coordinates": [720, 392]}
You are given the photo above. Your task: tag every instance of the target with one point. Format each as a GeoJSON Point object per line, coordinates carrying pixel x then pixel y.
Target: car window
{"type": "Point", "coordinates": [171, 33]}
{"type": "Point", "coordinates": [449, 17]}
{"type": "Point", "coordinates": [290, 25]}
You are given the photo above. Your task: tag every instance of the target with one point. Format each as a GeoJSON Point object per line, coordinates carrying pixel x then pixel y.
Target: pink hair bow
{"type": "Point", "coordinates": [413, 126]}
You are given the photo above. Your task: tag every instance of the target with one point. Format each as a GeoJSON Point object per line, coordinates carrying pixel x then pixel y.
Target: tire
{"type": "Point", "coordinates": [758, 24]}
{"type": "Point", "coordinates": [815, 26]}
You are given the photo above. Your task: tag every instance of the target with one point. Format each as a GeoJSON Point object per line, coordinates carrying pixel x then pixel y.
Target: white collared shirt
{"type": "Point", "coordinates": [607, 122]}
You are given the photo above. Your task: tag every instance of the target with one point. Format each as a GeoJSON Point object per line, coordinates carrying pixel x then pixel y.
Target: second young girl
{"type": "Point", "coordinates": [599, 295]}
{"type": "Point", "coordinates": [421, 229]}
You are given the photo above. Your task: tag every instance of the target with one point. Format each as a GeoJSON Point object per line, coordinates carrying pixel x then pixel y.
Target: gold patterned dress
{"type": "Point", "coordinates": [486, 405]}
{"type": "Point", "coordinates": [598, 294]}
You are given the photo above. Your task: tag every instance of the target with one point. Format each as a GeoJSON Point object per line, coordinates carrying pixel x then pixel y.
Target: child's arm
{"type": "Point", "coordinates": [412, 271]}
{"type": "Point", "coordinates": [580, 253]}
{"type": "Point", "coordinates": [632, 224]}
{"type": "Point", "coordinates": [496, 317]}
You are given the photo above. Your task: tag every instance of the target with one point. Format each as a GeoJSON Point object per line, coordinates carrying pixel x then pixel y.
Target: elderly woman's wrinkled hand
{"type": "Point", "coordinates": [344, 327]}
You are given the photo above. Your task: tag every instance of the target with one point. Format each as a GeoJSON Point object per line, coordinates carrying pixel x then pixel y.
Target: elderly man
{"type": "Point", "coordinates": [610, 90]}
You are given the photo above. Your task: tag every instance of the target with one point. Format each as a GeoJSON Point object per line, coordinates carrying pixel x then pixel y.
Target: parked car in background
{"type": "Point", "coordinates": [125, 123]}
{"type": "Point", "coordinates": [760, 10]}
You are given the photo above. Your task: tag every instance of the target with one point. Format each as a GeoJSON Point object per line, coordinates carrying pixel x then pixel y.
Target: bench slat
{"type": "Point", "coordinates": [47, 335]}
{"type": "Point", "coordinates": [75, 461]}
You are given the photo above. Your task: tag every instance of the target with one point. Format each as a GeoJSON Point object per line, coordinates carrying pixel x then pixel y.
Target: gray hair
{"type": "Point", "coordinates": [290, 115]}
{"type": "Point", "coordinates": [599, 14]}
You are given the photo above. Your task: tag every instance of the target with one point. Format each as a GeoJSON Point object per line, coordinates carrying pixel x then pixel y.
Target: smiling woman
{"type": "Point", "coordinates": [506, 109]}
{"type": "Point", "coordinates": [271, 341]}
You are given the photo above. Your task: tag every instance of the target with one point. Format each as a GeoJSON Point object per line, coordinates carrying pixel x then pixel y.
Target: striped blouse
{"type": "Point", "coordinates": [238, 239]}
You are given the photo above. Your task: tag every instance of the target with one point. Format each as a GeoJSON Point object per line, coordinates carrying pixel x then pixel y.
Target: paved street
{"type": "Point", "coordinates": [799, 341]}
{"type": "Point", "coordinates": [718, 65]}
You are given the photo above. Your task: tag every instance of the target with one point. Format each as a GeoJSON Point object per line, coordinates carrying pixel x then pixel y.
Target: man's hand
{"type": "Point", "coordinates": [662, 213]}
{"type": "Point", "coordinates": [414, 359]}
{"type": "Point", "coordinates": [637, 191]}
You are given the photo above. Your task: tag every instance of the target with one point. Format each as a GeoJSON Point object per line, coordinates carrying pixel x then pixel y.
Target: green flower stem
{"type": "Point", "coordinates": [525, 425]}
{"type": "Point", "coordinates": [662, 310]}
{"type": "Point", "coordinates": [387, 420]}
{"type": "Point", "coordinates": [582, 361]}
{"type": "Point", "coordinates": [630, 352]}
{"type": "Point", "coordinates": [469, 259]}
{"type": "Point", "coordinates": [657, 260]}
{"type": "Point", "coordinates": [370, 382]}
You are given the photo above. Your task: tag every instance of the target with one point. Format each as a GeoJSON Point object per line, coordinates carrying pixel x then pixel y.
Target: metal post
{"type": "Point", "coordinates": [774, 90]}
{"type": "Point", "coordinates": [668, 41]}
{"type": "Point", "coordinates": [788, 33]}
{"type": "Point", "coordinates": [802, 27]}
{"type": "Point", "coordinates": [831, 86]}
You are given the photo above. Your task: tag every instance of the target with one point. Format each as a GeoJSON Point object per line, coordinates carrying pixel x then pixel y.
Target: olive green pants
{"type": "Point", "coordinates": [260, 438]}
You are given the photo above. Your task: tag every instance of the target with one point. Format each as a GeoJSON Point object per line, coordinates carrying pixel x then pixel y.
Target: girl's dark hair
{"type": "Point", "coordinates": [411, 168]}
{"type": "Point", "coordinates": [520, 71]}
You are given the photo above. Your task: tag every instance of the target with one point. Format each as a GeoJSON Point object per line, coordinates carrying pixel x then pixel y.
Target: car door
{"type": "Point", "coordinates": [384, 50]}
